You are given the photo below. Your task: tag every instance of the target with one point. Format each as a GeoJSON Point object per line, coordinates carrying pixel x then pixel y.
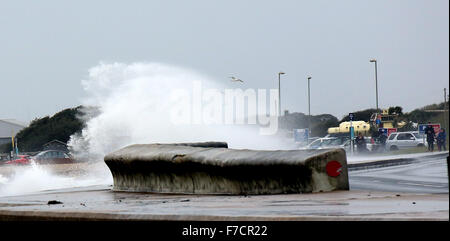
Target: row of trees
{"type": "Point", "coordinates": [42, 130]}
{"type": "Point", "coordinates": [321, 123]}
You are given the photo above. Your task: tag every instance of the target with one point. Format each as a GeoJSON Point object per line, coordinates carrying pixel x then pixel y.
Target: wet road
{"type": "Point", "coordinates": [101, 203]}
{"type": "Point", "coordinates": [422, 176]}
{"type": "Point", "coordinates": [402, 201]}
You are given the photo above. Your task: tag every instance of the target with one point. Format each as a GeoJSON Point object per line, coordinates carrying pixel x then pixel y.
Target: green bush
{"type": "Point", "coordinates": [42, 130]}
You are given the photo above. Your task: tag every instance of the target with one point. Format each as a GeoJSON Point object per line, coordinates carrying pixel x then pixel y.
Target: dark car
{"type": "Point", "coordinates": [52, 157]}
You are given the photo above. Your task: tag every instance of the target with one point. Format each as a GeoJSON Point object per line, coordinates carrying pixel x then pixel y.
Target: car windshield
{"type": "Point", "coordinates": [335, 142]}
{"type": "Point", "coordinates": [327, 142]}
{"type": "Point", "coordinates": [315, 143]}
{"type": "Point", "coordinates": [418, 135]}
{"type": "Point", "coordinates": [392, 136]}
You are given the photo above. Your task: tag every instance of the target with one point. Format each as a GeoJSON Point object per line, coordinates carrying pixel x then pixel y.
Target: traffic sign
{"type": "Point", "coordinates": [436, 127]}
{"type": "Point", "coordinates": [351, 116]}
{"type": "Point", "coordinates": [387, 131]}
{"type": "Point", "coordinates": [301, 135]}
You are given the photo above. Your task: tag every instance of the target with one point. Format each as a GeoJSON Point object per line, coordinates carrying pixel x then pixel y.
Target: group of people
{"type": "Point", "coordinates": [361, 144]}
{"type": "Point", "coordinates": [431, 137]}
{"type": "Point", "coordinates": [440, 139]}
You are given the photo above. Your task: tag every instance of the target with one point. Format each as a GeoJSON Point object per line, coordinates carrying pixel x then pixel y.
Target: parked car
{"type": "Point", "coordinates": [328, 142]}
{"type": "Point", "coordinates": [317, 144]}
{"type": "Point", "coordinates": [52, 157]}
{"type": "Point", "coordinates": [303, 144]}
{"type": "Point", "coordinates": [19, 160]}
{"type": "Point", "coordinates": [403, 140]}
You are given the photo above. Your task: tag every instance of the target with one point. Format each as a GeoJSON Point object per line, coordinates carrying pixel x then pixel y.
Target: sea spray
{"type": "Point", "coordinates": [135, 105]}
{"type": "Point", "coordinates": [35, 178]}
{"type": "Point", "coordinates": [3, 180]}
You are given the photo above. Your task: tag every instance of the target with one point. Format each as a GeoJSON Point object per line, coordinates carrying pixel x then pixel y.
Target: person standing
{"type": "Point", "coordinates": [441, 138]}
{"type": "Point", "coordinates": [360, 143]}
{"type": "Point", "coordinates": [429, 131]}
{"type": "Point", "coordinates": [383, 137]}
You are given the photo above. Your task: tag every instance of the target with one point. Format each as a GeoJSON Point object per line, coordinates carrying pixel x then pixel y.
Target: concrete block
{"type": "Point", "coordinates": [211, 168]}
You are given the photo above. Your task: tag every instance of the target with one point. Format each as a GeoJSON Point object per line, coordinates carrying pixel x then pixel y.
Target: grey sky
{"type": "Point", "coordinates": [47, 47]}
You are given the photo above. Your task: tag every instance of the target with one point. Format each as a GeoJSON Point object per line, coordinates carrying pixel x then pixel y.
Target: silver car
{"type": "Point", "coordinates": [320, 143]}
{"type": "Point", "coordinates": [329, 142]}
{"type": "Point", "coordinates": [403, 140]}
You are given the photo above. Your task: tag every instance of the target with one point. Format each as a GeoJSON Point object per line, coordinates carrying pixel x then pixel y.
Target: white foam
{"type": "Point", "coordinates": [35, 178]}
{"type": "Point", "coordinates": [134, 102]}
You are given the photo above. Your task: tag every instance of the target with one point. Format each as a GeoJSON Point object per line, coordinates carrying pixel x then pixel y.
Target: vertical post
{"type": "Point", "coordinates": [445, 109]}
{"type": "Point", "coordinates": [12, 141]}
{"type": "Point", "coordinates": [376, 83]}
{"type": "Point", "coordinates": [279, 95]}
{"type": "Point", "coordinates": [279, 92]}
{"type": "Point", "coordinates": [17, 149]}
{"type": "Point", "coordinates": [13, 144]}
{"type": "Point", "coordinates": [309, 98]}
{"type": "Point", "coordinates": [446, 116]}
{"type": "Point", "coordinates": [309, 107]}
{"type": "Point", "coordinates": [351, 137]}
{"type": "Point", "coordinates": [350, 116]}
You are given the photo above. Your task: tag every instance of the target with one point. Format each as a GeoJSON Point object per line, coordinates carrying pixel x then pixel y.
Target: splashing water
{"type": "Point", "coordinates": [35, 178]}
{"type": "Point", "coordinates": [132, 105]}
{"type": "Point", "coordinates": [135, 107]}
{"type": "Point", "coordinates": [3, 180]}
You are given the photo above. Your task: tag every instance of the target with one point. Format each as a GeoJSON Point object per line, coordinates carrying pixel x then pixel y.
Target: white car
{"type": "Point", "coordinates": [403, 140]}
{"type": "Point", "coordinates": [329, 142]}
{"type": "Point", "coordinates": [319, 143]}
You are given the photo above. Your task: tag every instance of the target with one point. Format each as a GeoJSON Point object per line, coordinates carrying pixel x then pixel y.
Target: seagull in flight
{"type": "Point", "coordinates": [234, 79]}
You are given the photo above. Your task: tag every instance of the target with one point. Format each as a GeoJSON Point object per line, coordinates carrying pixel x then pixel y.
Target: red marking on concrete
{"type": "Point", "coordinates": [334, 168]}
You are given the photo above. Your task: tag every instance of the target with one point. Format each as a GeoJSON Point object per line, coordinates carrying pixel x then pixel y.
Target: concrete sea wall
{"type": "Point", "coordinates": [212, 168]}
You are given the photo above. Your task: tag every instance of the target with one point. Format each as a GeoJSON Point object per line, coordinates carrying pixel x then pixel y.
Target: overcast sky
{"type": "Point", "coordinates": [47, 48]}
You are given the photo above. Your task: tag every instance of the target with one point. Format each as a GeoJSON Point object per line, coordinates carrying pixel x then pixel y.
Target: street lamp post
{"type": "Point", "coordinates": [445, 109]}
{"type": "Point", "coordinates": [309, 98]}
{"type": "Point", "coordinates": [309, 108]}
{"type": "Point", "coordinates": [376, 80]}
{"type": "Point", "coordinates": [279, 92]}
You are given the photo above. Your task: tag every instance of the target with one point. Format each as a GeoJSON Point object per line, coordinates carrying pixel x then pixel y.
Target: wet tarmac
{"type": "Point", "coordinates": [421, 176]}
{"type": "Point", "coordinates": [83, 198]}
{"type": "Point", "coordinates": [101, 203]}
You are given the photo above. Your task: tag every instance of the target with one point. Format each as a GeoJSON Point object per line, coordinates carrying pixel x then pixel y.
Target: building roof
{"type": "Point", "coordinates": [10, 127]}
{"type": "Point", "coordinates": [54, 141]}
{"type": "Point", "coordinates": [15, 122]}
